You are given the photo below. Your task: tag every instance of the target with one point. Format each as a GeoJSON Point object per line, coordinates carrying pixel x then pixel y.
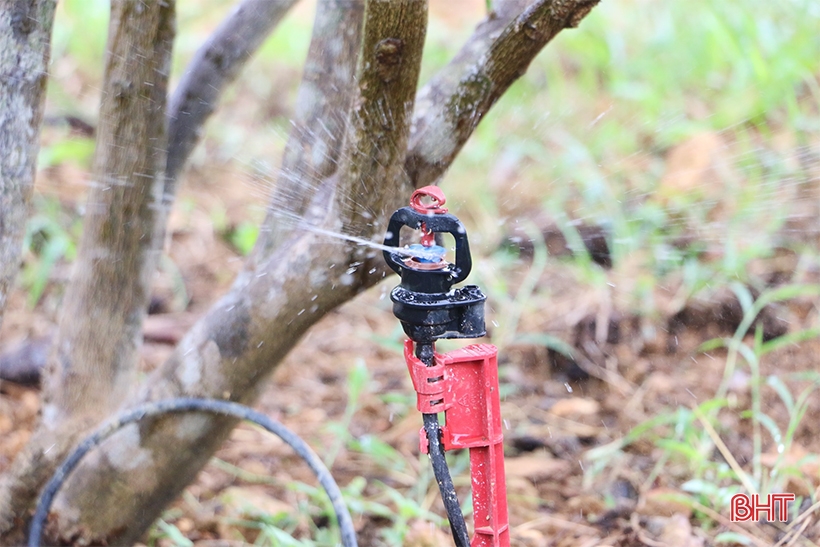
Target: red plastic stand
{"type": "Point", "coordinates": [464, 385]}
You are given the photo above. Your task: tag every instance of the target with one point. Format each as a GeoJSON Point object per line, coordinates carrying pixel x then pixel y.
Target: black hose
{"type": "Point", "coordinates": [435, 449]}
{"type": "Point", "coordinates": [213, 406]}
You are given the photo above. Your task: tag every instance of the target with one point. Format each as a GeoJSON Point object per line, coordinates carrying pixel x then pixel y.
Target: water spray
{"type": "Point", "coordinates": [463, 383]}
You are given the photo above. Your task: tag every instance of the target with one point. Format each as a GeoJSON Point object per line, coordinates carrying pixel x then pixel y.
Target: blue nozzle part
{"type": "Point", "coordinates": [427, 255]}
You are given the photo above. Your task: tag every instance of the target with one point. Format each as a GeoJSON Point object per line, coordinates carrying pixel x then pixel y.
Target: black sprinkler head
{"type": "Point", "coordinates": [425, 302]}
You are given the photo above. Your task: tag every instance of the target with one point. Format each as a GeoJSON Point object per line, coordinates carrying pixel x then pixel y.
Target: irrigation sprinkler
{"type": "Point", "coordinates": [463, 383]}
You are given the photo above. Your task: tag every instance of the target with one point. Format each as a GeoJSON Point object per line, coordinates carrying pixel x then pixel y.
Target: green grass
{"type": "Point", "coordinates": [689, 439]}
{"type": "Point", "coordinates": [50, 240]}
{"type": "Point", "coordinates": [590, 125]}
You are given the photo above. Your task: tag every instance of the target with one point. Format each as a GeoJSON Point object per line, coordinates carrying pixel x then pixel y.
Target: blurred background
{"type": "Point", "coordinates": [644, 212]}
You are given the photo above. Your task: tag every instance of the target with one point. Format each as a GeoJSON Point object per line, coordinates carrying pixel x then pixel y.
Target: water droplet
{"type": "Point", "coordinates": [569, 387]}
{"type": "Point", "coordinates": [495, 323]}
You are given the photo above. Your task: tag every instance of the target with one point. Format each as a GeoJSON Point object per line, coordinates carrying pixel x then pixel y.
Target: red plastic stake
{"type": "Point", "coordinates": [464, 384]}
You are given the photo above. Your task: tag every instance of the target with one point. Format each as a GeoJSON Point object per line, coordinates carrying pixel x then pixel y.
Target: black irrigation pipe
{"type": "Point", "coordinates": [435, 449]}
{"type": "Point", "coordinates": [225, 408]}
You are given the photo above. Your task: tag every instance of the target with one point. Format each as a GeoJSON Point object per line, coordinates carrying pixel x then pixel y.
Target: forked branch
{"type": "Point", "coordinates": [246, 334]}
{"type": "Point", "coordinates": [344, 167]}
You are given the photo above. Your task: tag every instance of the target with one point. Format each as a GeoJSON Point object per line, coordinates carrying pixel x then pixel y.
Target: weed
{"type": "Point", "coordinates": [691, 437]}
{"type": "Point", "coordinates": [49, 239]}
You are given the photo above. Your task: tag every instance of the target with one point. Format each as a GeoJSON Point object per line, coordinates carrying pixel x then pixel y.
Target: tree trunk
{"type": "Point", "coordinates": [93, 363]}
{"type": "Point", "coordinates": [271, 306]}
{"type": "Point", "coordinates": [25, 37]}
{"type": "Point", "coordinates": [356, 151]}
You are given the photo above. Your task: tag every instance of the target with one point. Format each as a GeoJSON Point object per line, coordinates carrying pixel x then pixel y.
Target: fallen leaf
{"type": "Point", "coordinates": [537, 467]}
{"type": "Point", "coordinates": [678, 533]}
{"type": "Point", "coordinates": [664, 502]}
{"type": "Point", "coordinates": [575, 406]}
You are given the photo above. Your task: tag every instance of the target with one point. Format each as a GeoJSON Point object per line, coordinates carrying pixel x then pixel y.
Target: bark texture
{"type": "Point", "coordinates": [93, 362]}
{"type": "Point", "coordinates": [25, 37]}
{"type": "Point", "coordinates": [96, 354]}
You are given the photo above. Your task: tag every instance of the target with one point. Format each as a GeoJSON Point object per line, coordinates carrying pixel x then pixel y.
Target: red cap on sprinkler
{"type": "Point", "coordinates": [436, 197]}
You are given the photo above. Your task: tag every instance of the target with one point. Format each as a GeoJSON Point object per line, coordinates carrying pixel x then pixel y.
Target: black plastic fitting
{"type": "Point", "coordinates": [425, 302]}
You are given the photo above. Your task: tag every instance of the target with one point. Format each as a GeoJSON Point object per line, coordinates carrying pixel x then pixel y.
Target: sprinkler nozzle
{"type": "Point", "coordinates": [425, 301]}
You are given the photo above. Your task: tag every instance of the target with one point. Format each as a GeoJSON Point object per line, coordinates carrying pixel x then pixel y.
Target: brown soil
{"type": "Point", "coordinates": [627, 370]}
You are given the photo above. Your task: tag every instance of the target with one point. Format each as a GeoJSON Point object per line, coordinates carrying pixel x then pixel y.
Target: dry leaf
{"type": "Point", "coordinates": [537, 467]}
{"type": "Point", "coordinates": [575, 407]}
{"type": "Point", "coordinates": [678, 533]}
{"type": "Point", "coordinates": [664, 502]}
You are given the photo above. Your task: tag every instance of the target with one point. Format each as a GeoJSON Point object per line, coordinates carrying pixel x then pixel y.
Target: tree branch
{"type": "Point", "coordinates": [325, 96]}
{"type": "Point", "coordinates": [380, 122]}
{"type": "Point", "coordinates": [25, 38]}
{"type": "Point", "coordinates": [116, 257]}
{"type": "Point", "coordinates": [216, 64]}
{"type": "Point", "coordinates": [452, 104]}
{"type": "Point", "coordinates": [343, 171]}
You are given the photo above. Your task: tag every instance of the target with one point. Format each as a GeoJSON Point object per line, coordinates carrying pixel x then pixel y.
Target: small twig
{"type": "Point", "coordinates": [805, 515]}
{"type": "Point", "coordinates": [803, 520]}
{"type": "Point", "coordinates": [798, 534]}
